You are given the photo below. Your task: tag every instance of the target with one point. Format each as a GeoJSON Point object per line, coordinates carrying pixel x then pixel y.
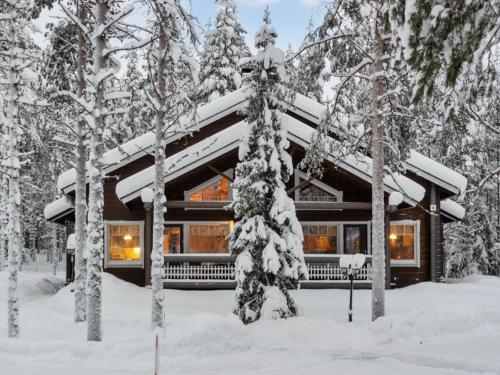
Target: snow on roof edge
{"type": "Point", "coordinates": [58, 207]}
{"type": "Point", "coordinates": [453, 208]}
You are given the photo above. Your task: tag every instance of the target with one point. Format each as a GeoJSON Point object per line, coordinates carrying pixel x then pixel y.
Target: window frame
{"type": "Point", "coordinates": [319, 184]}
{"type": "Point", "coordinates": [415, 262]}
{"type": "Point", "coordinates": [336, 224]}
{"type": "Point", "coordinates": [108, 263]}
{"type": "Point", "coordinates": [209, 182]}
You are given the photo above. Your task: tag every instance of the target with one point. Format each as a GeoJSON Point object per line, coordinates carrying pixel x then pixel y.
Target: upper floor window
{"type": "Point", "coordinates": [404, 243]}
{"type": "Point", "coordinates": [216, 189]}
{"type": "Point", "coordinates": [314, 190]}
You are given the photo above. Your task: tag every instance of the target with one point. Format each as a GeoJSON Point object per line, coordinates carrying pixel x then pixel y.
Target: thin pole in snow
{"type": "Point", "coordinates": [157, 355]}
{"type": "Point", "coordinates": [351, 279]}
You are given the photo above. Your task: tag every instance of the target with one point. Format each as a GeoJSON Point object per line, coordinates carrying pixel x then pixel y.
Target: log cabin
{"type": "Point", "coordinates": [334, 210]}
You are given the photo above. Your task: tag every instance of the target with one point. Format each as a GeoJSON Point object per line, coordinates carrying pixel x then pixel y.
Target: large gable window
{"type": "Point", "coordinates": [404, 243]}
{"type": "Point", "coordinates": [314, 190]}
{"type": "Point", "coordinates": [124, 243]}
{"type": "Point", "coordinates": [216, 189]}
{"type": "Point", "coordinates": [320, 239]}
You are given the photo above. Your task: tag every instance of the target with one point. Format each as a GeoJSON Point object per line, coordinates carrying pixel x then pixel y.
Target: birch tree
{"type": "Point", "coordinates": [14, 20]}
{"type": "Point", "coordinates": [171, 73]}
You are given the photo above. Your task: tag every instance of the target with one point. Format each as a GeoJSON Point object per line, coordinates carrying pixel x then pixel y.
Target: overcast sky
{"type": "Point", "coordinates": [290, 18]}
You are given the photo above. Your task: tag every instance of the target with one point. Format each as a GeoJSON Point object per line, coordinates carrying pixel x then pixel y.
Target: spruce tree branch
{"type": "Point", "coordinates": [310, 45]}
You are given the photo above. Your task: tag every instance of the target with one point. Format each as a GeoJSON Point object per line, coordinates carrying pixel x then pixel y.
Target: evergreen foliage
{"type": "Point", "coordinates": [267, 239]}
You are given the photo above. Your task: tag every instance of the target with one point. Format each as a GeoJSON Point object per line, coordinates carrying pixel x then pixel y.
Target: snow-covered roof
{"type": "Point", "coordinates": [142, 145]}
{"type": "Point", "coordinates": [229, 138]}
{"type": "Point", "coordinates": [452, 209]}
{"type": "Point", "coordinates": [436, 172]}
{"type": "Point", "coordinates": [184, 161]}
{"type": "Point", "coordinates": [303, 106]}
{"type": "Point", "coordinates": [58, 208]}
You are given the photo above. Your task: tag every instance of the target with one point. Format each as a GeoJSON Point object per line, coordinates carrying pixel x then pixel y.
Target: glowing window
{"type": "Point", "coordinates": [217, 190]}
{"type": "Point", "coordinates": [403, 239]}
{"type": "Point", "coordinates": [208, 238]}
{"type": "Point", "coordinates": [320, 239]}
{"type": "Point", "coordinates": [124, 244]}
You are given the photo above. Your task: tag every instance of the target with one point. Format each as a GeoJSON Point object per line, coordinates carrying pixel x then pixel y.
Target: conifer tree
{"type": "Point", "coordinates": [267, 239]}
{"type": "Point", "coordinates": [224, 47]}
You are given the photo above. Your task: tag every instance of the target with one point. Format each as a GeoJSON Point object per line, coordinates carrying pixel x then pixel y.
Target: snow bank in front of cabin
{"type": "Point", "coordinates": [32, 285]}
{"type": "Point", "coordinates": [429, 328]}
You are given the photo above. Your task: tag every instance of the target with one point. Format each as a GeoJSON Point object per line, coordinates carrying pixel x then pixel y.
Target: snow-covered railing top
{"type": "Point", "coordinates": [136, 148]}
{"type": "Point", "coordinates": [452, 209]}
{"type": "Point", "coordinates": [58, 208]}
{"type": "Point", "coordinates": [229, 139]}
{"type": "Point", "coordinates": [302, 106]}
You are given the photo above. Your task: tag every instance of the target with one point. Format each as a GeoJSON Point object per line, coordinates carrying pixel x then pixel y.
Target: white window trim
{"type": "Point", "coordinates": [209, 182]}
{"type": "Point", "coordinates": [340, 235]}
{"type": "Point", "coordinates": [416, 237]}
{"type": "Point", "coordinates": [121, 263]}
{"type": "Point", "coordinates": [327, 188]}
{"type": "Point", "coordinates": [185, 232]}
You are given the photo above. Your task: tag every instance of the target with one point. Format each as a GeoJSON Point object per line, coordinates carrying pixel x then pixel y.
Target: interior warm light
{"type": "Point", "coordinates": [137, 250]}
{"type": "Point", "coordinates": [231, 225]}
{"type": "Point", "coordinates": [127, 237]}
{"type": "Point", "coordinates": [393, 236]}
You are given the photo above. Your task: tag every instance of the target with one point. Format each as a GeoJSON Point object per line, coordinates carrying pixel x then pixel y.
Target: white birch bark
{"type": "Point", "coordinates": [378, 232]}
{"type": "Point", "coordinates": [95, 231]}
{"type": "Point", "coordinates": [3, 217]}
{"type": "Point", "coordinates": [53, 245]}
{"type": "Point", "coordinates": [14, 206]}
{"type": "Point", "coordinates": [159, 197]}
{"type": "Point", "coordinates": [80, 188]}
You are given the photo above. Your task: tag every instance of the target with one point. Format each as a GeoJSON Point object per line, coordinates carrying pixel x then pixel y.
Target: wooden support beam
{"type": "Point", "coordinates": [203, 205]}
{"type": "Point", "coordinates": [215, 170]}
{"type": "Point", "coordinates": [300, 186]}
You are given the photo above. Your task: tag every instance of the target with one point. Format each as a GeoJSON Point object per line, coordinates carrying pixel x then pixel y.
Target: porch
{"type": "Point", "coordinates": [216, 271]}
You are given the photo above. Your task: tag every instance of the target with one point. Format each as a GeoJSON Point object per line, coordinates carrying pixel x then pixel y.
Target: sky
{"type": "Point", "coordinates": [290, 18]}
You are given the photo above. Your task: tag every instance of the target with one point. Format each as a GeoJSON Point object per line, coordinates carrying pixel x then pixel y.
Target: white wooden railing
{"type": "Point", "coordinates": [220, 267]}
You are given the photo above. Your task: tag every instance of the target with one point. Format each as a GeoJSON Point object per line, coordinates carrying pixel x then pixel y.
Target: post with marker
{"type": "Point", "coordinates": [351, 266]}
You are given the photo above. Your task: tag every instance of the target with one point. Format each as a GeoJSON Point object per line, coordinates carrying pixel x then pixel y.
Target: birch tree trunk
{"type": "Point", "coordinates": [159, 186]}
{"type": "Point", "coordinates": [3, 218]}
{"type": "Point", "coordinates": [96, 199]}
{"type": "Point", "coordinates": [378, 232]}
{"type": "Point", "coordinates": [14, 227]}
{"type": "Point", "coordinates": [80, 188]}
{"type": "Point", "coordinates": [53, 245]}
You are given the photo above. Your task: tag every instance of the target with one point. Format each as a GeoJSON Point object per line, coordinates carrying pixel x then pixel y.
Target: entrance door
{"type": "Point", "coordinates": [355, 238]}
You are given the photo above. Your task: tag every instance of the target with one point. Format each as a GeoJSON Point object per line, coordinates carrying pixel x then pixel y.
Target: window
{"type": "Point", "coordinates": [216, 189]}
{"type": "Point", "coordinates": [172, 239]}
{"type": "Point", "coordinates": [404, 243]}
{"type": "Point", "coordinates": [124, 243]}
{"type": "Point", "coordinates": [312, 193]}
{"type": "Point", "coordinates": [320, 239]}
{"type": "Point", "coordinates": [314, 190]}
{"type": "Point", "coordinates": [207, 238]}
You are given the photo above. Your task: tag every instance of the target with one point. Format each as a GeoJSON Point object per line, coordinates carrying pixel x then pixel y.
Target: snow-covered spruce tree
{"type": "Point", "coordinates": [14, 34]}
{"type": "Point", "coordinates": [135, 123]}
{"type": "Point", "coordinates": [4, 188]}
{"type": "Point", "coordinates": [224, 47]}
{"type": "Point", "coordinates": [267, 239]}
{"type": "Point", "coordinates": [169, 97]}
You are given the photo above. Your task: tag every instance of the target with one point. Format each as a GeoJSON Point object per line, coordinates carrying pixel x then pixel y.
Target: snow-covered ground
{"type": "Point", "coordinates": [429, 329]}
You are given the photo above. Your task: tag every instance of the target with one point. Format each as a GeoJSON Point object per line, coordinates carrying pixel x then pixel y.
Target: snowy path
{"type": "Point", "coordinates": [429, 329]}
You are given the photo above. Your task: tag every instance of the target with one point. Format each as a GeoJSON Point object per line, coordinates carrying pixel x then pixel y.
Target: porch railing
{"type": "Point", "coordinates": [220, 267]}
